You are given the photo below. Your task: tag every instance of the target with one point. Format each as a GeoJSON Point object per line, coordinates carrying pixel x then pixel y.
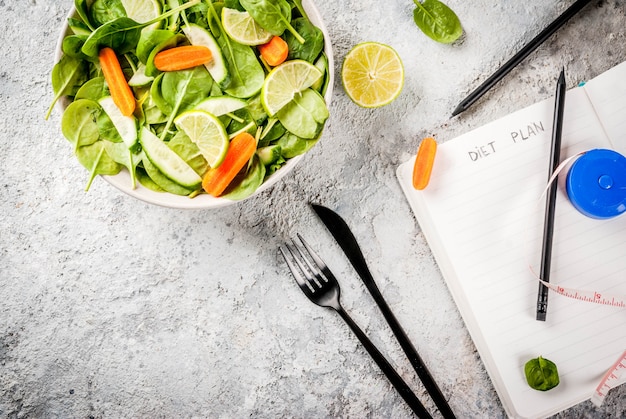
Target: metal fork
{"type": "Point", "coordinates": [321, 287]}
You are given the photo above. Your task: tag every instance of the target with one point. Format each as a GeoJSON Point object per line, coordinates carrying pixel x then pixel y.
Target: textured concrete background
{"type": "Point", "coordinates": [110, 307]}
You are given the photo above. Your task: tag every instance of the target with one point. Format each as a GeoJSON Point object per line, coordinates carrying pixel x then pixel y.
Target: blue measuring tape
{"type": "Point", "coordinates": [596, 184]}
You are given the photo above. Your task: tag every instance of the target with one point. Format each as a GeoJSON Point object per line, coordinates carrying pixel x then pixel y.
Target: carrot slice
{"type": "Point", "coordinates": [182, 58]}
{"type": "Point", "coordinates": [240, 151]}
{"type": "Point", "coordinates": [275, 51]}
{"type": "Point", "coordinates": [424, 163]}
{"type": "Point", "coordinates": [118, 86]}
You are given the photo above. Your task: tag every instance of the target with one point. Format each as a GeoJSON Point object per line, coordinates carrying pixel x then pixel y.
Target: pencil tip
{"type": "Point", "coordinates": [458, 110]}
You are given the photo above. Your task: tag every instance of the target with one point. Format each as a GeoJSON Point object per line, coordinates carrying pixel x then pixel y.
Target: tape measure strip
{"type": "Point", "coordinates": [609, 380]}
{"type": "Point", "coordinates": [606, 299]}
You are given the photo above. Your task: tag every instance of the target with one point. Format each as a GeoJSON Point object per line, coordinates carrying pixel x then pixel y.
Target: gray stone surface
{"type": "Point", "coordinates": [110, 307]}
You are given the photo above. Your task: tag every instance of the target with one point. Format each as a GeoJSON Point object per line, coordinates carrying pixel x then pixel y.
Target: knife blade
{"type": "Point", "coordinates": [340, 230]}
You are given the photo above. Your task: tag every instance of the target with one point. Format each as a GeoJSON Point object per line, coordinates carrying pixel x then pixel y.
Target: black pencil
{"type": "Point", "coordinates": [548, 225]}
{"type": "Point", "coordinates": [520, 56]}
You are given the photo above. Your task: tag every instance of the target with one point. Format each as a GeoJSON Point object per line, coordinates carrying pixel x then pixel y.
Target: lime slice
{"type": "Point", "coordinates": [126, 126]}
{"type": "Point", "coordinates": [207, 132]}
{"type": "Point", "coordinates": [285, 81]}
{"type": "Point", "coordinates": [168, 162]}
{"type": "Point", "coordinates": [372, 74]}
{"type": "Point", "coordinates": [220, 105]}
{"type": "Point", "coordinates": [241, 27]}
{"type": "Point", "coordinates": [142, 11]}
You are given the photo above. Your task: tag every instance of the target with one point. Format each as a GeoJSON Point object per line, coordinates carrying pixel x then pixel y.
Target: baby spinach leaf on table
{"type": "Point", "coordinates": [313, 41]}
{"type": "Point", "coordinates": [273, 15]}
{"type": "Point", "coordinates": [437, 21]}
{"type": "Point", "coordinates": [541, 374]}
{"type": "Point", "coordinates": [104, 11]}
{"type": "Point", "coordinates": [79, 123]}
{"type": "Point", "coordinates": [67, 76]}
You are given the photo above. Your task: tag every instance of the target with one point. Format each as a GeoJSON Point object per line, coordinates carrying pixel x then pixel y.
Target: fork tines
{"type": "Point", "coordinates": [305, 265]}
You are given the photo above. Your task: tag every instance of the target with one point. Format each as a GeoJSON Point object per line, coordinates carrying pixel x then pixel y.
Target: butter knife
{"type": "Point", "coordinates": [346, 240]}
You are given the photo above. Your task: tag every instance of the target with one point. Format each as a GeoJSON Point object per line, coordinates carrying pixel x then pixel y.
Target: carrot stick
{"type": "Point", "coordinates": [424, 163]}
{"type": "Point", "coordinates": [182, 58]}
{"type": "Point", "coordinates": [118, 86]}
{"type": "Point", "coordinates": [275, 51]}
{"type": "Point", "coordinates": [240, 151]}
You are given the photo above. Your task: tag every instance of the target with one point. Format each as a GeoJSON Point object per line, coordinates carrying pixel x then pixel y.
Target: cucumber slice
{"type": "Point", "coordinates": [168, 162]}
{"type": "Point", "coordinates": [197, 35]}
{"type": "Point", "coordinates": [220, 105]}
{"type": "Point", "coordinates": [126, 126]}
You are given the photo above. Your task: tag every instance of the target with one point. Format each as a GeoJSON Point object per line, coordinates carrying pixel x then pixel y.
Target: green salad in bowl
{"type": "Point", "coordinates": [192, 103]}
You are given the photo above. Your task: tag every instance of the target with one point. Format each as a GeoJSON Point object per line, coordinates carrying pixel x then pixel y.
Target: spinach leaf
{"type": "Point", "coordinates": [313, 41]}
{"type": "Point", "coordinates": [234, 4]}
{"type": "Point", "coordinates": [183, 89]}
{"type": "Point", "coordinates": [246, 181]}
{"type": "Point", "coordinates": [78, 27]}
{"type": "Point", "coordinates": [122, 34]}
{"type": "Point", "coordinates": [305, 115]}
{"type": "Point", "coordinates": [120, 154]}
{"type": "Point", "coordinates": [247, 75]}
{"type": "Point", "coordinates": [150, 39]}
{"type": "Point", "coordinates": [95, 159]}
{"type": "Point", "coordinates": [182, 145]}
{"type": "Point", "coordinates": [541, 374]}
{"type": "Point", "coordinates": [82, 8]}
{"type": "Point", "coordinates": [67, 76]}
{"type": "Point", "coordinates": [437, 21]}
{"type": "Point", "coordinates": [79, 123]}
{"type": "Point", "coordinates": [292, 145]}
{"type": "Point", "coordinates": [300, 8]}
{"type": "Point", "coordinates": [273, 15]}
{"type": "Point", "coordinates": [93, 89]}
{"type": "Point", "coordinates": [103, 11]}
{"type": "Point", "coordinates": [72, 46]}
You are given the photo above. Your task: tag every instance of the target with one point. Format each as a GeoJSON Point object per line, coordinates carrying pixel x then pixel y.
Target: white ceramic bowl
{"type": "Point", "coordinates": [122, 181]}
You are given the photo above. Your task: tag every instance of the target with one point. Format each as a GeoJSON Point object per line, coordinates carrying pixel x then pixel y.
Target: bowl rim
{"type": "Point", "coordinates": [122, 181]}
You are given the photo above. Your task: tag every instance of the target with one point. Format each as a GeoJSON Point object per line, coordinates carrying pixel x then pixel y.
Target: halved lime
{"type": "Point", "coordinates": [142, 10]}
{"type": "Point", "coordinates": [241, 27]}
{"type": "Point", "coordinates": [168, 162]}
{"type": "Point", "coordinates": [285, 81]}
{"type": "Point", "coordinates": [372, 74]}
{"type": "Point", "coordinates": [207, 132]}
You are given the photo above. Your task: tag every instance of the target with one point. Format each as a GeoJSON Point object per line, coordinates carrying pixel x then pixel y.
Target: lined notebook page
{"type": "Point", "coordinates": [482, 215]}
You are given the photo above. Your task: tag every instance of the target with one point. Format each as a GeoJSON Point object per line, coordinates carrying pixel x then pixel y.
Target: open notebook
{"type": "Point", "coordinates": [482, 215]}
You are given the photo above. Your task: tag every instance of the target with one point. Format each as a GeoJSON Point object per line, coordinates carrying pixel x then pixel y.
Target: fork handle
{"type": "Point", "coordinates": [400, 385]}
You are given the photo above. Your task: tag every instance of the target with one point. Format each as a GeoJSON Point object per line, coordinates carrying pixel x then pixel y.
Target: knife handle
{"type": "Point", "coordinates": [396, 380]}
{"type": "Point", "coordinates": [408, 348]}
